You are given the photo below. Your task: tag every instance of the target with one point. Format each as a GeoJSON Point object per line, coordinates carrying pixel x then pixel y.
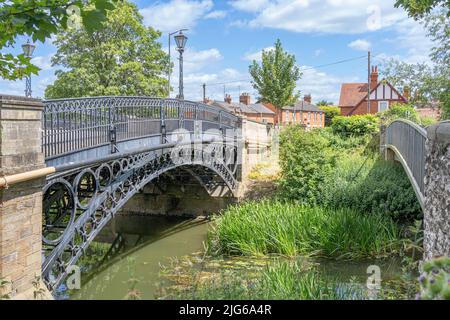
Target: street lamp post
{"type": "Point", "coordinates": [28, 50]}
{"type": "Point", "coordinates": [181, 39]}
{"type": "Point", "coordinates": [169, 71]}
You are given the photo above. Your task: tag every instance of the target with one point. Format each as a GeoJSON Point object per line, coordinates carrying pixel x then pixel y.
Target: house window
{"type": "Point", "coordinates": [382, 106]}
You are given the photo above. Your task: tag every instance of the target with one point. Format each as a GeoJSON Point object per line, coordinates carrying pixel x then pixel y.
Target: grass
{"type": "Point", "coordinates": [275, 227]}
{"type": "Point", "coordinates": [279, 280]}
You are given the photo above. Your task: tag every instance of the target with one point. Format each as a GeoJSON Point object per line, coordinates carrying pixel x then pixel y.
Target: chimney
{"type": "Point", "coordinates": [374, 77]}
{"type": "Point", "coordinates": [227, 98]}
{"type": "Point", "coordinates": [406, 93]}
{"type": "Point", "coordinates": [244, 98]}
{"type": "Point", "coordinates": [307, 98]}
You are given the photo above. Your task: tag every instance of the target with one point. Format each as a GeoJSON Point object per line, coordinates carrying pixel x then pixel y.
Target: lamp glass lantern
{"type": "Point", "coordinates": [28, 49]}
{"type": "Point", "coordinates": [180, 40]}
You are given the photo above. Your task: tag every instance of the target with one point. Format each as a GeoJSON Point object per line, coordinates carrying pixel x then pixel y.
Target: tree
{"type": "Point", "coordinates": [40, 19]}
{"type": "Point", "coordinates": [420, 8]}
{"type": "Point", "coordinates": [124, 58]}
{"type": "Point", "coordinates": [419, 78]}
{"type": "Point", "coordinates": [428, 82]}
{"type": "Point", "coordinates": [276, 77]}
{"type": "Point", "coordinates": [324, 103]}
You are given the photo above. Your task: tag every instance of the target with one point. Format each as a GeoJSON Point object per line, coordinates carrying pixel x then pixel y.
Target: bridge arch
{"type": "Point", "coordinates": [106, 149]}
{"type": "Point", "coordinates": [81, 220]}
{"type": "Point", "coordinates": [405, 142]}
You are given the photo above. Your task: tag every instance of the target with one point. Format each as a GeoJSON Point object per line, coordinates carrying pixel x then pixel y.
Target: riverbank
{"type": "Point", "coordinates": [333, 199]}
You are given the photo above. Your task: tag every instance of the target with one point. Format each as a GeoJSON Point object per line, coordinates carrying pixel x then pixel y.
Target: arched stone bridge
{"type": "Point", "coordinates": [81, 160]}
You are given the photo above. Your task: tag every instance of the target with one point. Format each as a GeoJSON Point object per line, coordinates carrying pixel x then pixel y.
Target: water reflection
{"type": "Point", "coordinates": [127, 255]}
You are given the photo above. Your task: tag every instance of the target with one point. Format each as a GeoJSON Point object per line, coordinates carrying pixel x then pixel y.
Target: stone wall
{"type": "Point", "coordinates": [20, 204]}
{"type": "Point", "coordinates": [256, 145]}
{"type": "Point", "coordinates": [437, 191]}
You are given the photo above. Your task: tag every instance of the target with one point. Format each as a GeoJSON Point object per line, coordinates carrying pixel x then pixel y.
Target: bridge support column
{"type": "Point", "coordinates": [21, 204]}
{"type": "Point", "coordinates": [437, 191]}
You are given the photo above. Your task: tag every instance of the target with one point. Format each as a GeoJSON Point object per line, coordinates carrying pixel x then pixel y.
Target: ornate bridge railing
{"type": "Point", "coordinates": [83, 195]}
{"type": "Point", "coordinates": [70, 125]}
{"type": "Point", "coordinates": [407, 140]}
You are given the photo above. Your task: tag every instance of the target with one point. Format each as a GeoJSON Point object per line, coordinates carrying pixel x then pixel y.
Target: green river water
{"type": "Point", "coordinates": [143, 244]}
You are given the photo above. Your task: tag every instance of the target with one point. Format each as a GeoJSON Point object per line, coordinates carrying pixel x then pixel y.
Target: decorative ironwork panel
{"type": "Point", "coordinates": [70, 125]}
{"type": "Point", "coordinates": [79, 203]}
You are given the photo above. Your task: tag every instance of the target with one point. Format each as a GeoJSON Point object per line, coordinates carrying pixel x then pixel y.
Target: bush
{"type": "Point", "coordinates": [401, 111]}
{"type": "Point", "coordinates": [426, 121]}
{"type": "Point", "coordinates": [320, 167]}
{"type": "Point", "coordinates": [355, 125]}
{"type": "Point", "coordinates": [330, 113]}
{"type": "Point", "coordinates": [276, 227]}
{"type": "Point", "coordinates": [306, 160]}
{"type": "Point", "coordinates": [371, 186]}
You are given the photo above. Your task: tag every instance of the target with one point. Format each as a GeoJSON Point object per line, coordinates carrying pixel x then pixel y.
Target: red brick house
{"type": "Point", "coordinates": [353, 99]}
{"type": "Point", "coordinates": [303, 112]}
{"type": "Point", "coordinates": [252, 111]}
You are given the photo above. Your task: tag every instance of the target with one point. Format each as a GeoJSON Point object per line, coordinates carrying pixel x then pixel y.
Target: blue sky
{"type": "Point", "coordinates": [224, 36]}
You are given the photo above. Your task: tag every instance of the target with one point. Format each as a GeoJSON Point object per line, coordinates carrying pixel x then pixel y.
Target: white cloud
{"type": "Point", "coordinates": [43, 62]}
{"type": "Point", "coordinates": [214, 87]}
{"type": "Point", "coordinates": [218, 14]}
{"type": "Point", "coordinates": [411, 37]}
{"type": "Point", "coordinates": [249, 5]}
{"type": "Point", "coordinates": [327, 16]}
{"type": "Point", "coordinates": [175, 14]}
{"type": "Point", "coordinates": [195, 60]}
{"type": "Point", "coordinates": [250, 56]}
{"type": "Point", "coordinates": [360, 44]}
{"type": "Point", "coordinates": [320, 85]}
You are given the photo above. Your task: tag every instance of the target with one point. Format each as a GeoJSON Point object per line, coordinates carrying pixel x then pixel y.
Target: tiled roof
{"type": "Point", "coordinates": [242, 108]}
{"type": "Point", "coordinates": [260, 108]}
{"type": "Point", "coordinates": [352, 93]}
{"type": "Point", "coordinates": [303, 106]}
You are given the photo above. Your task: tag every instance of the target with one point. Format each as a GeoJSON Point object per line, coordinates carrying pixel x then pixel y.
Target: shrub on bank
{"type": "Point", "coordinates": [372, 186]}
{"type": "Point", "coordinates": [330, 113]}
{"type": "Point", "coordinates": [259, 228]}
{"type": "Point", "coordinates": [323, 168]}
{"type": "Point", "coordinates": [306, 160]}
{"type": "Point", "coordinates": [355, 125]}
{"type": "Point", "coordinates": [401, 111]}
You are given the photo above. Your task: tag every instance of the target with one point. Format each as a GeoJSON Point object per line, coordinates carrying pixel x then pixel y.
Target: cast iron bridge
{"type": "Point", "coordinates": [105, 149]}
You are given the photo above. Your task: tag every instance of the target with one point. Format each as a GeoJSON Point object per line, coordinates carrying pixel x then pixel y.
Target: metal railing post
{"type": "Point", "coordinates": [162, 122]}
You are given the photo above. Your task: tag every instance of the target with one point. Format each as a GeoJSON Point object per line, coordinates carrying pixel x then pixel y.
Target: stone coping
{"type": "Point", "coordinates": [20, 102]}
{"type": "Point", "coordinates": [439, 132]}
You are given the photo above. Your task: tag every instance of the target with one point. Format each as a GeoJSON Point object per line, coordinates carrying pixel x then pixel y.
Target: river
{"type": "Point", "coordinates": [143, 244]}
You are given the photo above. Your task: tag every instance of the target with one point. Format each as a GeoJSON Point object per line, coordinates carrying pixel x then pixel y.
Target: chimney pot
{"type": "Point", "coordinates": [244, 98]}
{"type": "Point", "coordinates": [227, 98]}
{"type": "Point", "coordinates": [307, 98]}
{"type": "Point", "coordinates": [374, 77]}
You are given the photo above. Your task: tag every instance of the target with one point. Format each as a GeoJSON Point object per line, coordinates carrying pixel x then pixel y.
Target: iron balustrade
{"type": "Point", "coordinates": [409, 139]}
{"type": "Point", "coordinates": [74, 124]}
